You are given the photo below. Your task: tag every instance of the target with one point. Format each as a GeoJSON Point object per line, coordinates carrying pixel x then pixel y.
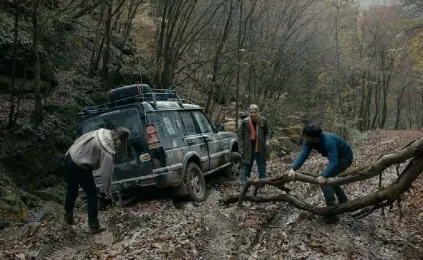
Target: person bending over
{"type": "Point", "coordinates": [339, 154]}
{"type": "Point", "coordinates": [93, 151]}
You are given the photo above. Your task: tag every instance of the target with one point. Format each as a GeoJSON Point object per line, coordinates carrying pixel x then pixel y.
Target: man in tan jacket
{"type": "Point", "coordinates": [97, 151]}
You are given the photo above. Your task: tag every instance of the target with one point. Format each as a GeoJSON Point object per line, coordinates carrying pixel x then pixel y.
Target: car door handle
{"type": "Point", "coordinates": [190, 142]}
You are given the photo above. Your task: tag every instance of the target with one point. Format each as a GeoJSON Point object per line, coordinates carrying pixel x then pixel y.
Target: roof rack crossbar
{"type": "Point", "coordinates": [154, 96]}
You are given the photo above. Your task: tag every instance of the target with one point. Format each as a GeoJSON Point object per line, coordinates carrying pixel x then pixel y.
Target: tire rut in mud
{"type": "Point", "coordinates": [67, 243]}
{"type": "Point", "coordinates": [219, 236]}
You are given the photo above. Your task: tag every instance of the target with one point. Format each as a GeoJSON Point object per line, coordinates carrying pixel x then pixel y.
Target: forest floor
{"type": "Point", "coordinates": [156, 227]}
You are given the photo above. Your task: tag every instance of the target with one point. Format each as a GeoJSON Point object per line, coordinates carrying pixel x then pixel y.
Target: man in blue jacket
{"type": "Point", "coordinates": [338, 152]}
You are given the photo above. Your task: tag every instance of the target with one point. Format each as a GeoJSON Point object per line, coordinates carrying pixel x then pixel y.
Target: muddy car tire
{"type": "Point", "coordinates": [234, 171]}
{"type": "Point", "coordinates": [195, 182]}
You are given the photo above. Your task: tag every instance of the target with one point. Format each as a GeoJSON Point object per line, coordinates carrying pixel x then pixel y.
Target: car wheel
{"type": "Point", "coordinates": [233, 172]}
{"type": "Point", "coordinates": [194, 180]}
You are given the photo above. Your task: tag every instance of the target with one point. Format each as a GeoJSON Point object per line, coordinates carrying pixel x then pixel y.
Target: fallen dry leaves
{"type": "Point", "coordinates": [161, 229]}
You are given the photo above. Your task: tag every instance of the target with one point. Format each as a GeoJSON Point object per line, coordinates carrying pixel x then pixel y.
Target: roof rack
{"type": "Point", "coordinates": [186, 101]}
{"type": "Point", "coordinates": [152, 97]}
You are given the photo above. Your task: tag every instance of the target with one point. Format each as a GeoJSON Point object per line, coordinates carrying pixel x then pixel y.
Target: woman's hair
{"type": "Point", "coordinates": [120, 140]}
{"type": "Point", "coordinates": [312, 130]}
{"type": "Point", "coordinates": [253, 107]}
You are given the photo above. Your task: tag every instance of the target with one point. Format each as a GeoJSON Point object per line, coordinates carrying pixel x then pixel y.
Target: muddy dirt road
{"type": "Point", "coordinates": [161, 229]}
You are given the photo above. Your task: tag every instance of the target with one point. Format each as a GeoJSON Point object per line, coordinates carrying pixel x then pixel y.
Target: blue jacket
{"type": "Point", "coordinates": [331, 146]}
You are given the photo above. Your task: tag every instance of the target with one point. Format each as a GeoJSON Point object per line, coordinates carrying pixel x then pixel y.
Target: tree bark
{"type": "Point", "coordinates": [219, 50]}
{"type": "Point", "coordinates": [13, 83]}
{"type": "Point", "coordinates": [238, 71]}
{"type": "Point", "coordinates": [399, 108]}
{"type": "Point", "coordinates": [128, 29]}
{"type": "Point", "coordinates": [106, 55]}
{"type": "Point", "coordinates": [38, 113]}
{"type": "Point", "coordinates": [377, 98]}
{"type": "Point", "coordinates": [96, 53]}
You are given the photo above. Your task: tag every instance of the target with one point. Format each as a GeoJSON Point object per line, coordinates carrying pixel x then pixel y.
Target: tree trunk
{"type": "Point", "coordinates": [18, 102]}
{"type": "Point", "coordinates": [399, 107]}
{"type": "Point", "coordinates": [128, 29]}
{"type": "Point", "coordinates": [219, 50]}
{"type": "Point", "coordinates": [384, 110]}
{"type": "Point", "coordinates": [106, 55]}
{"type": "Point", "coordinates": [96, 52]}
{"type": "Point", "coordinates": [397, 118]}
{"type": "Point", "coordinates": [410, 109]}
{"type": "Point", "coordinates": [376, 99]}
{"type": "Point", "coordinates": [385, 88]}
{"type": "Point", "coordinates": [13, 83]}
{"type": "Point", "coordinates": [421, 104]}
{"type": "Point", "coordinates": [38, 113]}
{"type": "Point", "coordinates": [363, 98]}
{"type": "Point", "coordinates": [238, 71]}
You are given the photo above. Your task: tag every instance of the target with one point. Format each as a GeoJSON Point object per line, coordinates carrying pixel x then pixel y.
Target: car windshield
{"type": "Point", "coordinates": [120, 118]}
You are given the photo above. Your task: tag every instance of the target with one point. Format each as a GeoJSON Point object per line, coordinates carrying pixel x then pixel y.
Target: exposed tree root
{"type": "Point", "coordinates": [367, 204]}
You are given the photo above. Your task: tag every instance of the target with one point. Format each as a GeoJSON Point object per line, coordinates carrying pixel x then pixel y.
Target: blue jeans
{"type": "Point", "coordinates": [261, 165]}
{"type": "Point", "coordinates": [330, 192]}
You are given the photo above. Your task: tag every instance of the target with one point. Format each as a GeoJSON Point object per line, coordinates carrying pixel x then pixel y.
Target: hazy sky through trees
{"type": "Point", "coordinates": [367, 3]}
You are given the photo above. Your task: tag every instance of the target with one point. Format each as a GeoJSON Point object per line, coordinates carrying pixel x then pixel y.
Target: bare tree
{"type": "Point", "coordinates": [182, 24]}
{"type": "Point", "coordinates": [38, 111]}
{"type": "Point", "coordinates": [13, 83]}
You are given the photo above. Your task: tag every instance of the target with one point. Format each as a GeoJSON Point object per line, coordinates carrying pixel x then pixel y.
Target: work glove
{"type": "Point", "coordinates": [291, 173]}
{"type": "Point", "coordinates": [321, 180]}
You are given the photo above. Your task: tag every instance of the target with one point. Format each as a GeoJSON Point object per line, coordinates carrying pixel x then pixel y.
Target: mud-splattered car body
{"type": "Point", "coordinates": [167, 137]}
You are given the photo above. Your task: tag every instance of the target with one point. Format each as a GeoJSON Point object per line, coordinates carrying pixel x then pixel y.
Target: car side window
{"type": "Point", "coordinates": [189, 123]}
{"type": "Point", "coordinates": [169, 125]}
{"type": "Point", "coordinates": [203, 122]}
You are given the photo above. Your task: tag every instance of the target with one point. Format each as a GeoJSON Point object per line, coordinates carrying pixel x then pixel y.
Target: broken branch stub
{"type": "Point", "coordinates": [379, 199]}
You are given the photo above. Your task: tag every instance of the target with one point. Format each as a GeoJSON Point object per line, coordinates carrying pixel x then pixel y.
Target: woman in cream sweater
{"type": "Point", "coordinates": [93, 151]}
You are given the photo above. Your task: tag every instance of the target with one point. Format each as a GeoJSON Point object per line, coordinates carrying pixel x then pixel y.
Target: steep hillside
{"type": "Point", "coordinates": [32, 155]}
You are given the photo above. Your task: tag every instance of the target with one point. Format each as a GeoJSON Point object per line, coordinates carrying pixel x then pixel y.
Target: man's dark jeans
{"type": "Point", "coordinates": [78, 176]}
{"type": "Point", "coordinates": [330, 192]}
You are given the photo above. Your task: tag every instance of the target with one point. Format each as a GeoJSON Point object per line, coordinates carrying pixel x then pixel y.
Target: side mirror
{"type": "Point", "coordinates": [219, 127]}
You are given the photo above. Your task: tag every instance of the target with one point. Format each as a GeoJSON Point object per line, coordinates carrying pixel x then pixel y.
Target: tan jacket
{"type": "Point", "coordinates": [95, 151]}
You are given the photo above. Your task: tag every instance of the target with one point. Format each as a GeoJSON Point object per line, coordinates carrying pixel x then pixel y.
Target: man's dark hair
{"type": "Point", "coordinates": [312, 130]}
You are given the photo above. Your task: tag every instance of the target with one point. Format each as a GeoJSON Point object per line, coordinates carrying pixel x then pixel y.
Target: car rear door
{"type": "Point", "coordinates": [171, 135]}
{"type": "Point", "coordinates": [138, 162]}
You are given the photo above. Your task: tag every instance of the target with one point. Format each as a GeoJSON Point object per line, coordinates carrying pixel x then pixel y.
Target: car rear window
{"type": "Point", "coordinates": [128, 118]}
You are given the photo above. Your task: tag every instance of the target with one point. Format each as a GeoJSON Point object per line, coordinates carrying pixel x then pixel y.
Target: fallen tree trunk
{"type": "Point", "coordinates": [378, 199]}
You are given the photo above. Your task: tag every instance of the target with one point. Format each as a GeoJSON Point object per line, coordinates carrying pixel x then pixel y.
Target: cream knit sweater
{"type": "Point", "coordinates": [95, 150]}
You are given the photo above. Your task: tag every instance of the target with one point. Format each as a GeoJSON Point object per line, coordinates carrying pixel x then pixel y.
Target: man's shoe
{"type": "Point", "coordinates": [96, 230]}
{"type": "Point", "coordinates": [331, 219]}
{"type": "Point", "coordinates": [69, 219]}
{"type": "Point", "coordinates": [343, 201]}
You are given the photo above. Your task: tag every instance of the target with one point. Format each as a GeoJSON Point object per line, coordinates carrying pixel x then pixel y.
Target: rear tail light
{"type": "Point", "coordinates": [152, 137]}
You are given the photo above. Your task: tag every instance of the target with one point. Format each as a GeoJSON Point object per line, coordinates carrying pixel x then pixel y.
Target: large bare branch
{"type": "Point", "coordinates": [376, 200]}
